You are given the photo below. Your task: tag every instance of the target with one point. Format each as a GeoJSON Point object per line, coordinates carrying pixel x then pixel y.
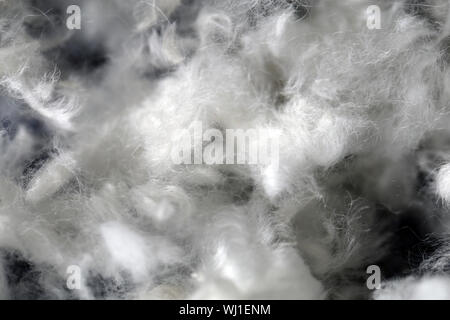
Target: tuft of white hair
{"type": "Point", "coordinates": [88, 119]}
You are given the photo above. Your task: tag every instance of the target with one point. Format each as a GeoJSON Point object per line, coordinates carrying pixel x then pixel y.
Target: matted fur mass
{"type": "Point", "coordinates": [88, 118]}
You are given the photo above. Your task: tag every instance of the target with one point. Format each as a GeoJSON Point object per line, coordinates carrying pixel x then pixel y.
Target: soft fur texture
{"type": "Point", "coordinates": [88, 118]}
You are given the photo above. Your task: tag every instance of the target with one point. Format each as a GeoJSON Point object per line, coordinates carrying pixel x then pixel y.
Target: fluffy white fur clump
{"type": "Point", "coordinates": [443, 183]}
{"type": "Point", "coordinates": [89, 118]}
{"type": "Point", "coordinates": [426, 288]}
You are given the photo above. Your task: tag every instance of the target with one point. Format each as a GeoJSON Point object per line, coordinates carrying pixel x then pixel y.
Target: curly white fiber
{"type": "Point", "coordinates": [88, 118]}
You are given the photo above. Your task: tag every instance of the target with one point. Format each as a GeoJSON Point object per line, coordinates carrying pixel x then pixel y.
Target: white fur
{"type": "Point", "coordinates": [110, 200]}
